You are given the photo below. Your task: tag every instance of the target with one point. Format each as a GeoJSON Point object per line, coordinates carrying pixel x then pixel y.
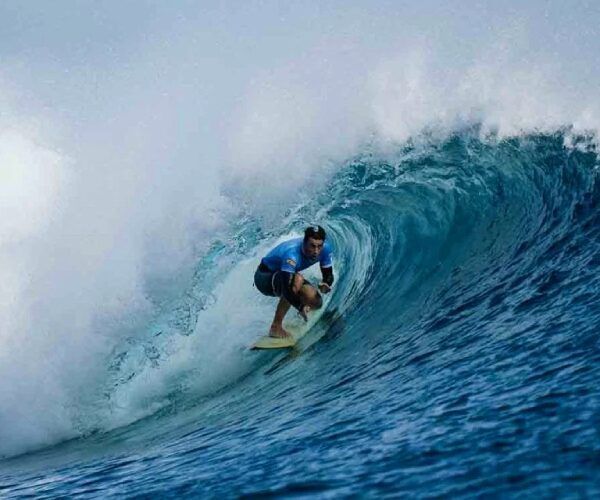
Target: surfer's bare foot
{"type": "Point", "coordinates": [278, 332]}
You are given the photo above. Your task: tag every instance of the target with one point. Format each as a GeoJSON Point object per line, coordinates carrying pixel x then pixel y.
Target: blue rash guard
{"type": "Point", "coordinates": [275, 273]}
{"type": "Point", "coordinates": [288, 257]}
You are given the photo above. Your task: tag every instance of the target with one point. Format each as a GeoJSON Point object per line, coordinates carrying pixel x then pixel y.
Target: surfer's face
{"type": "Point", "coordinates": [313, 247]}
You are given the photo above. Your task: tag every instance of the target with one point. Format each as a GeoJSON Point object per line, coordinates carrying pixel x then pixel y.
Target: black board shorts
{"type": "Point", "coordinates": [271, 283]}
{"type": "Point", "coordinates": [268, 282]}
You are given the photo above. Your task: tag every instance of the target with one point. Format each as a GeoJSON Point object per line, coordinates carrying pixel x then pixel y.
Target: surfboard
{"type": "Point", "coordinates": [267, 342]}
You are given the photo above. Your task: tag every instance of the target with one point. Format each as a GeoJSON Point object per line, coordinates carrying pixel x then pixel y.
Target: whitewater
{"type": "Point", "coordinates": [150, 155]}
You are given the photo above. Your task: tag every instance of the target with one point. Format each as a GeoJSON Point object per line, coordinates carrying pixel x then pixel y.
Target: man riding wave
{"type": "Point", "coordinates": [278, 275]}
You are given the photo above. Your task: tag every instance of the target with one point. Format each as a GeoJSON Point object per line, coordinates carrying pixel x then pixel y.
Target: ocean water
{"type": "Point", "coordinates": [458, 353]}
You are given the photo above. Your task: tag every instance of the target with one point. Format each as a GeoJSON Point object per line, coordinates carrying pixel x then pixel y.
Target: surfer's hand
{"type": "Point", "coordinates": [303, 312]}
{"type": "Point", "coordinates": [324, 287]}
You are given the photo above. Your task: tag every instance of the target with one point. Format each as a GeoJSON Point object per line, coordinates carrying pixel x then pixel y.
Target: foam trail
{"type": "Point", "coordinates": [32, 177]}
{"type": "Point", "coordinates": [85, 247]}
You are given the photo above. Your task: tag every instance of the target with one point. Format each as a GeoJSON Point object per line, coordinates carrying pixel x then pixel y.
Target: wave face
{"type": "Point", "coordinates": [458, 353]}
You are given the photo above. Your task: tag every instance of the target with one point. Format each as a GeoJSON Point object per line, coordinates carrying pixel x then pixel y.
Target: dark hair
{"type": "Point", "coordinates": [316, 232]}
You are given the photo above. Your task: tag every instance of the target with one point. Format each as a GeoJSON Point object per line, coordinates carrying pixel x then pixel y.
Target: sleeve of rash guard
{"type": "Point", "coordinates": [327, 275]}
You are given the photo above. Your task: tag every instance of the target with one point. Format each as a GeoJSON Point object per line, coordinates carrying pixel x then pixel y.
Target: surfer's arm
{"type": "Point", "coordinates": [327, 273]}
{"type": "Point", "coordinates": [326, 268]}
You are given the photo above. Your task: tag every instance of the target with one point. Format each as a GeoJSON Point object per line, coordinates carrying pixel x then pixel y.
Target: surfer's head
{"type": "Point", "coordinates": [310, 296]}
{"type": "Point", "coordinates": [314, 239]}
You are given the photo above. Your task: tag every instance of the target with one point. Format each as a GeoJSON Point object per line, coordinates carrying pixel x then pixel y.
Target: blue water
{"type": "Point", "coordinates": [458, 355]}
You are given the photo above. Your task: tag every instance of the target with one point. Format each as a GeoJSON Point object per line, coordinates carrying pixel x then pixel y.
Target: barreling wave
{"type": "Point", "coordinates": [467, 290]}
{"type": "Point", "coordinates": [461, 241]}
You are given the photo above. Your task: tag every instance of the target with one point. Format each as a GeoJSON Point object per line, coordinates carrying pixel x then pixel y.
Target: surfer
{"type": "Point", "coordinates": [278, 275]}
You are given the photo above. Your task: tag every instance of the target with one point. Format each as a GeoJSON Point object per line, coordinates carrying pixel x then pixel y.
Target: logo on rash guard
{"type": "Point", "coordinates": [291, 262]}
